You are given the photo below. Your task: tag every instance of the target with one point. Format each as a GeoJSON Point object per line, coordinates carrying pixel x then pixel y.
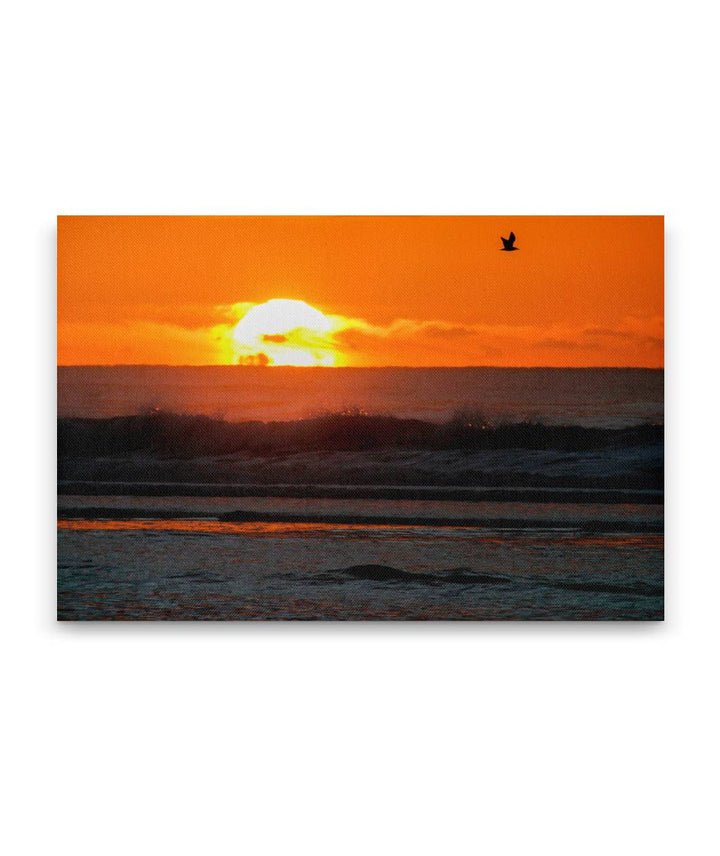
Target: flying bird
{"type": "Point", "coordinates": [507, 246]}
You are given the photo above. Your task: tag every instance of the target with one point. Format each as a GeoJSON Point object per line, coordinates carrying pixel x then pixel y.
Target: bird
{"type": "Point", "coordinates": [507, 246]}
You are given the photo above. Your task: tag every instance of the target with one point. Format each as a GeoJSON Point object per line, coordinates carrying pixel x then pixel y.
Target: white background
{"type": "Point", "coordinates": [359, 739]}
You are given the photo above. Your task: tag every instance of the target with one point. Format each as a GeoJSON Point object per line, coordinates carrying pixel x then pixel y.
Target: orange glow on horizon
{"type": "Point", "coordinates": [361, 291]}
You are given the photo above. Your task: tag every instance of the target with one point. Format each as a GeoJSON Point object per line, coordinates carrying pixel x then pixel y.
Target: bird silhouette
{"type": "Point", "coordinates": [507, 246]}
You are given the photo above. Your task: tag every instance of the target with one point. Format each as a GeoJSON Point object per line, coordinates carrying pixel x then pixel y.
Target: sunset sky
{"type": "Point", "coordinates": [360, 291]}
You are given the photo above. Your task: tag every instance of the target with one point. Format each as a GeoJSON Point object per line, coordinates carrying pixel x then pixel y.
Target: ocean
{"type": "Point", "coordinates": [521, 494]}
{"type": "Point", "coordinates": [599, 397]}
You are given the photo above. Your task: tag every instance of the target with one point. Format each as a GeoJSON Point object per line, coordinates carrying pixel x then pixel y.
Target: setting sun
{"type": "Point", "coordinates": [284, 332]}
{"type": "Point", "coordinates": [360, 291]}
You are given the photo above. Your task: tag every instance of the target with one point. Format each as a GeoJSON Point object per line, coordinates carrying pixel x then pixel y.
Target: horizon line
{"type": "Point", "coordinates": [333, 368]}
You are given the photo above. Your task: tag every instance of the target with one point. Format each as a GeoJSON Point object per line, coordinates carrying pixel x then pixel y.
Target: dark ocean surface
{"type": "Point", "coordinates": [325, 524]}
{"type": "Point", "coordinates": [550, 563]}
{"type": "Point", "coordinates": [597, 397]}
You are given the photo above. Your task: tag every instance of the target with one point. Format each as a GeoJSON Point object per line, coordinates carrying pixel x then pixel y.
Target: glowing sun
{"type": "Point", "coordinates": [285, 333]}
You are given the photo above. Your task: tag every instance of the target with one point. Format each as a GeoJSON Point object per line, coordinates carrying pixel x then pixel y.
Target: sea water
{"type": "Point", "coordinates": [550, 565]}
{"type": "Point", "coordinates": [593, 397]}
{"type": "Point", "coordinates": [174, 557]}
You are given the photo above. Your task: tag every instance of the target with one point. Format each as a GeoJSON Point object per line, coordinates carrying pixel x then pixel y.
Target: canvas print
{"type": "Point", "coordinates": [360, 418]}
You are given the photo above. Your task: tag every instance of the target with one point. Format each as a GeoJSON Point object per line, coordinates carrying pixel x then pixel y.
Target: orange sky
{"type": "Point", "coordinates": [580, 291]}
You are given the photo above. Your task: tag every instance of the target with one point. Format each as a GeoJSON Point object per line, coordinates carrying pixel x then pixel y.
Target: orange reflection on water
{"type": "Point", "coordinates": [214, 527]}
{"type": "Point", "coordinates": [395, 531]}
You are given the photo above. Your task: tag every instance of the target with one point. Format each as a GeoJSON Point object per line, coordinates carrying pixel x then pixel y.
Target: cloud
{"type": "Point", "coordinates": [565, 344]}
{"type": "Point", "coordinates": [189, 316]}
{"type": "Point", "coordinates": [654, 341]}
{"type": "Point", "coordinates": [448, 332]}
{"type": "Point", "coordinates": [437, 342]}
{"type": "Point", "coordinates": [259, 359]}
{"type": "Point", "coordinates": [647, 331]}
{"type": "Point", "coordinates": [140, 342]}
{"type": "Point", "coordinates": [207, 337]}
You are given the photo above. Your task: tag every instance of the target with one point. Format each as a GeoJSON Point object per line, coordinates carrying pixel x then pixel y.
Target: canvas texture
{"type": "Point", "coordinates": [360, 418]}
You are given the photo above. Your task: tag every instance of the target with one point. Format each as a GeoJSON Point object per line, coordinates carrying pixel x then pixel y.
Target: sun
{"type": "Point", "coordinates": [284, 332]}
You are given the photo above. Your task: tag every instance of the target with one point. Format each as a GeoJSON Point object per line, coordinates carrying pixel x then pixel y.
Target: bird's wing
{"type": "Point", "coordinates": [512, 237]}
{"type": "Point", "coordinates": [506, 243]}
